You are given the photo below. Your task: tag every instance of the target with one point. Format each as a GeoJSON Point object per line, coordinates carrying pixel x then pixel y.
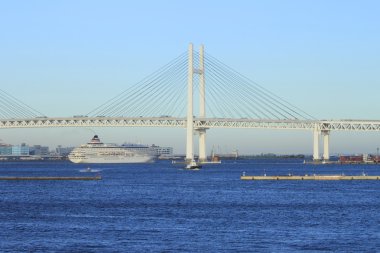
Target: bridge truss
{"type": "Point", "coordinates": [321, 125]}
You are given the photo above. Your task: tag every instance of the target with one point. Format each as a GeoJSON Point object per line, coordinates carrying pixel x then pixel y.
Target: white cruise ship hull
{"type": "Point", "coordinates": [118, 159]}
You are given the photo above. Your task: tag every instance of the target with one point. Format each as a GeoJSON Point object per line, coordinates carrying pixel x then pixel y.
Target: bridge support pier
{"type": "Point", "coordinates": [326, 154]}
{"type": "Point", "coordinates": [202, 145]}
{"type": "Point", "coordinates": [316, 143]}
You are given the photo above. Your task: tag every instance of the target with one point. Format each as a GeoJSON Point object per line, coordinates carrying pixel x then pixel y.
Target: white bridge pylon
{"type": "Point", "coordinates": [202, 107]}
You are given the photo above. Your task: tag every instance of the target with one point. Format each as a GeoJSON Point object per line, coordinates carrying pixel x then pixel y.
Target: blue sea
{"type": "Point", "coordinates": [160, 207]}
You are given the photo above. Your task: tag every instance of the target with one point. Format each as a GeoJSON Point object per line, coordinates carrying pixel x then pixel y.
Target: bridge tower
{"type": "Point", "coordinates": [202, 107]}
{"type": "Point", "coordinates": [190, 115]}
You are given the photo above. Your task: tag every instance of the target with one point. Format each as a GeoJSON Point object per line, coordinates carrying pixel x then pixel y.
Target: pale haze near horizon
{"type": "Point", "coordinates": [66, 58]}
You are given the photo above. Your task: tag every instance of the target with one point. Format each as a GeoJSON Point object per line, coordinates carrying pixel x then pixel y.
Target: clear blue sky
{"type": "Point", "coordinates": [67, 57]}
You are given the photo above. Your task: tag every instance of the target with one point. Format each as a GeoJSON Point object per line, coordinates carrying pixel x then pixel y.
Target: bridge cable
{"type": "Point", "coordinates": [266, 107]}
{"type": "Point", "coordinates": [116, 102]}
{"type": "Point", "coordinates": [270, 94]}
{"type": "Point", "coordinates": [132, 99]}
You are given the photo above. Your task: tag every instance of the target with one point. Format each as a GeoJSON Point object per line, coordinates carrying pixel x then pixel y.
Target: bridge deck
{"type": "Point", "coordinates": [342, 125]}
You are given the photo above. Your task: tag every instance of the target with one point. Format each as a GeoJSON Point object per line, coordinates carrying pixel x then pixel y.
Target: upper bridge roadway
{"type": "Point", "coordinates": [320, 125]}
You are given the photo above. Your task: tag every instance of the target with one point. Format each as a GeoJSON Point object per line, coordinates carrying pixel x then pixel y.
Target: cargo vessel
{"type": "Point", "coordinates": [358, 159]}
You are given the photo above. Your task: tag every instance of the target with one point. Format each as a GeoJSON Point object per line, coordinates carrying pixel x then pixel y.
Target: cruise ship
{"type": "Point", "coordinates": [97, 152]}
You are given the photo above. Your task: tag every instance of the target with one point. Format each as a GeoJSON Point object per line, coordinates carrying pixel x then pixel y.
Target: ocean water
{"type": "Point", "coordinates": [162, 208]}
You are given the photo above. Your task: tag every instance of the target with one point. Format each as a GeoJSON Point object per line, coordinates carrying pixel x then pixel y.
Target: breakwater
{"type": "Point", "coordinates": [311, 177]}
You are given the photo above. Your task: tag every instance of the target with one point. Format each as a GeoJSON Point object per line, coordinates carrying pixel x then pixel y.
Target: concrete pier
{"type": "Point", "coordinates": [311, 177]}
{"type": "Point", "coordinates": [316, 143]}
{"type": "Point", "coordinates": [51, 178]}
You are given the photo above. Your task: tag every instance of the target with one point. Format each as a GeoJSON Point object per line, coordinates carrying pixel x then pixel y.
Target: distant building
{"type": "Point", "coordinates": [39, 150]}
{"type": "Point", "coordinates": [5, 149]}
{"type": "Point", "coordinates": [63, 151]}
{"type": "Point", "coordinates": [162, 151]}
{"type": "Point", "coordinates": [20, 150]}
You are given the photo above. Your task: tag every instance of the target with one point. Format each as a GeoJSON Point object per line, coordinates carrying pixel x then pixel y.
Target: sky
{"type": "Point", "coordinates": [65, 58]}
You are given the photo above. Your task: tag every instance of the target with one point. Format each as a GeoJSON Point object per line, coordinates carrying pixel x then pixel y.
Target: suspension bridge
{"type": "Point", "coordinates": [168, 98]}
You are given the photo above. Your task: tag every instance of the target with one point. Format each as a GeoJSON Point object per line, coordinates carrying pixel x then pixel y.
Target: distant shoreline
{"type": "Point", "coordinates": [5, 159]}
{"type": "Point", "coordinates": [32, 159]}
